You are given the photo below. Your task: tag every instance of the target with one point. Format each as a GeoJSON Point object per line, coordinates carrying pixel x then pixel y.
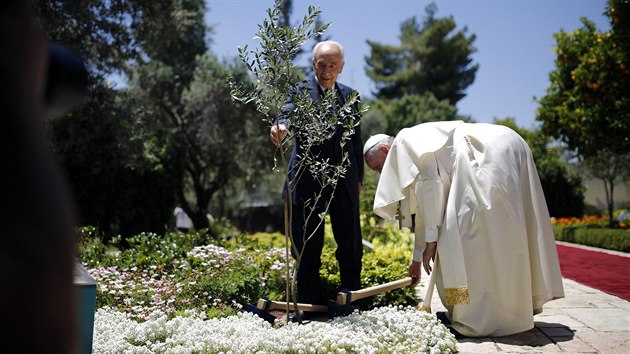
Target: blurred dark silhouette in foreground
{"type": "Point", "coordinates": [37, 252]}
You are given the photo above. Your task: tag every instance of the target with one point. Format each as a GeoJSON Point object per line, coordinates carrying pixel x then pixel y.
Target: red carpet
{"type": "Point", "coordinates": [603, 271]}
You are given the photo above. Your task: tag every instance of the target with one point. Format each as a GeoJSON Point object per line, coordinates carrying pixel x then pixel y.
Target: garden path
{"type": "Point", "coordinates": [585, 321]}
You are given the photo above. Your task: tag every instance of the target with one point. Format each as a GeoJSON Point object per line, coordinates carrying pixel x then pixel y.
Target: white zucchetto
{"type": "Point", "coordinates": [373, 140]}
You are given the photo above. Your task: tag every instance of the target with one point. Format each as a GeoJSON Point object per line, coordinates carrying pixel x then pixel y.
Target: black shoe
{"type": "Point", "coordinates": [293, 316]}
{"type": "Point", "coordinates": [441, 315]}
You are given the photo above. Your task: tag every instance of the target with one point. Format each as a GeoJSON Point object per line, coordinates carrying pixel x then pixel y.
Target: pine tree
{"type": "Point", "coordinates": [430, 58]}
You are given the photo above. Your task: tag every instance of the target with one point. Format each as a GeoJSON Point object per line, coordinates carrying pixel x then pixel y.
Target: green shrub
{"type": "Point", "coordinates": [148, 249]}
{"type": "Point", "coordinates": [219, 275]}
{"type": "Point", "coordinates": [91, 249]}
{"type": "Point", "coordinates": [237, 280]}
{"type": "Point", "coordinates": [612, 239]}
{"type": "Point", "coordinates": [222, 230]}
{"type": "Point", "coordinates": [143, 250]}
{"type": "Point", "coordinates": [374, 228]}
{"type": "Point", "coordinates": [257, 241]}
{"type": "Point", "coordinates": [590, 209]}
{"type": "Point", "coordinates": [387, 262]}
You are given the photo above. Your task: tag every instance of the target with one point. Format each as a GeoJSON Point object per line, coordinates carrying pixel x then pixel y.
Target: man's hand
{"type": "Point", "coordinates": [429, 255]}
{"type": "Point", "coordinates": [277, 133]}
{"type": "Point", "coordinates": [414, 272]}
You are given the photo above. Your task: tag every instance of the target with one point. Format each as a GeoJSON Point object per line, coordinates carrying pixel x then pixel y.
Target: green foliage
{"type": "Point", "coordinates": [430, 59]}
{"type": "Point", "coordinates": [410, 110]}
{"type": "Point", "coordinates": [90, 248]}
{"type": "Point", "coordinates": [241, 284]}
{"type": "Point", "coordinates": [563, 189]}
{"type": "Point", "coordinates": [587, 101]}
{"type": "Point", "coordinates": [387, 262]}
{"type": "Point", "coordinates": [590, 209]}
{"type": "Point", "coordinates": [140, 251]}
{"type": "Point", "coordinates": [612, 239]}
{"type": "Point", "coordinates": [217, 161]}
{"type": "Point", "coordinates": [619, 11]}
{"type": "Point", "coordinates": [123, 178]}
{"type": "Point", "coordinates": [172, 33]}
{"type": "Point", "coordinates": [146, 249]}
{"type": "Point", "coordinates": [114, 184]}
{"type": "Point", "coordinates": [368, 192]}
{"type": "Point", "coordinates": [97, 30]}
{"type": "Point", "coordinates": [374, 229]}
{"type": "Point", "coordinates": [372, 123]}
{"type": "Point", "coordinates": [131, 152]}
{"type": "Point", "coordinates": [272, 65]}
{"type": "Point", "coordinates": [611, 168]}
{"type": "Point", "coordinates": [222, 230]}
{"type": "Point", "coordinates": [259, 240]}
{"type": "Point", "coordinates": [182, 92]}
{"type": "Point", "coordinates": [179, 271]}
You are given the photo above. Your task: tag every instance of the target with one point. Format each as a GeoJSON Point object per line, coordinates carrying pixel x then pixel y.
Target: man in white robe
{"type": "Point", "coordinates": [479, 213]}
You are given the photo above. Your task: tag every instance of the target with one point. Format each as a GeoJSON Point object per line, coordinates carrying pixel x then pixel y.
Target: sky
{"type": "Point", "coordinates": [514, 41]}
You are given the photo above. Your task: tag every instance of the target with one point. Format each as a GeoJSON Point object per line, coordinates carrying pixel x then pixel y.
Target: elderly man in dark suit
{"type": "Point", "coordinates": [328, 61]}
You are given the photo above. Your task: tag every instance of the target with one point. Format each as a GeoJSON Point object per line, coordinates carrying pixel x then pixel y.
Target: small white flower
{"type": "Point", "coordinates": [401, 329]}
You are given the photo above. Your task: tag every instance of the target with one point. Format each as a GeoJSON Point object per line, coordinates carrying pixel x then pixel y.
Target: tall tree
{"type": "Point", "coordinates": [99, 31]}
{"type": "Point", "coordinates": [100, 147]}
{"type": "Point", "coordinates": [157, 139]}
{"type": "Point", "coordinates": [216, 136]}
{"type": "Point", "coordinates": [587, 101]}
{"type": "Point", "coordinates": [610, 168]}
{"type": "Point", "coordinates": [587, 105]}
{"type": "Point", "coordinates": [98, 142]}
{"type": "Point", "coordinates": [197, 132]}
{"type": "Point", "coordinates": [430, 58]}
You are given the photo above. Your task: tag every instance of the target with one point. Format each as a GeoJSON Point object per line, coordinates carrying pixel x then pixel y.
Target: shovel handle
{"type": "Point", "coordinates": [342, 297]}
{"type": "Point", "coordinates": [268, 305]}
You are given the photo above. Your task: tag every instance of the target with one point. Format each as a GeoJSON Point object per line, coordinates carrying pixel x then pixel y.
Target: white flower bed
{"type": "Point", "coordinates": [382, 330]}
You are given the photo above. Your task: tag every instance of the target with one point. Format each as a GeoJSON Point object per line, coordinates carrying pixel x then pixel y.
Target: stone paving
{"type": "Point", "coordinates": [585, 321]}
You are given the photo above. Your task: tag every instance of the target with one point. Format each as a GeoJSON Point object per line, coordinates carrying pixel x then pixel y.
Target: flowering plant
{"type": "Point", "coordinates": [382, 330]}
{"type": "Point", "coordinates": [586, 221]}
{"type": "Point", "coordinates": [210, 279]}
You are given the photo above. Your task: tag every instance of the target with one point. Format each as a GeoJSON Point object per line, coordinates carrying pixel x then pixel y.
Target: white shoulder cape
{"type": "Point", "coordinates": [401, 166]}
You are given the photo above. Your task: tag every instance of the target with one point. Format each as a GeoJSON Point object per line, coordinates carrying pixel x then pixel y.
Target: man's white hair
{"type": "Point", "coordinates": [319, 44]}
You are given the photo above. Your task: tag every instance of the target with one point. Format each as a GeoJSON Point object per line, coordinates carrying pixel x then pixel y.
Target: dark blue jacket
{"type": "Point", "coordinates": [306, 187]}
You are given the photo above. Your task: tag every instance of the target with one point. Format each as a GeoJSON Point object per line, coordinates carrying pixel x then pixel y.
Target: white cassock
{"type": "Point", "coordinates": [475, 190]}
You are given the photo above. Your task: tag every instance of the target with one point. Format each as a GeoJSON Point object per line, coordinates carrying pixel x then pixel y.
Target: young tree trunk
{"type": "Point", "coordinates": [610, 199]}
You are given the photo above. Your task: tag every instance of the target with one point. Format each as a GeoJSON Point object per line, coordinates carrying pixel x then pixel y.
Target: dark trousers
{"type": "Point", "coordinates": [345, 222]}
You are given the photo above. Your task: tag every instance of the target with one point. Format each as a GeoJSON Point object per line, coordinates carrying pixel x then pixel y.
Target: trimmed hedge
{"type": "Point", "coordinates": [612, 239]}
